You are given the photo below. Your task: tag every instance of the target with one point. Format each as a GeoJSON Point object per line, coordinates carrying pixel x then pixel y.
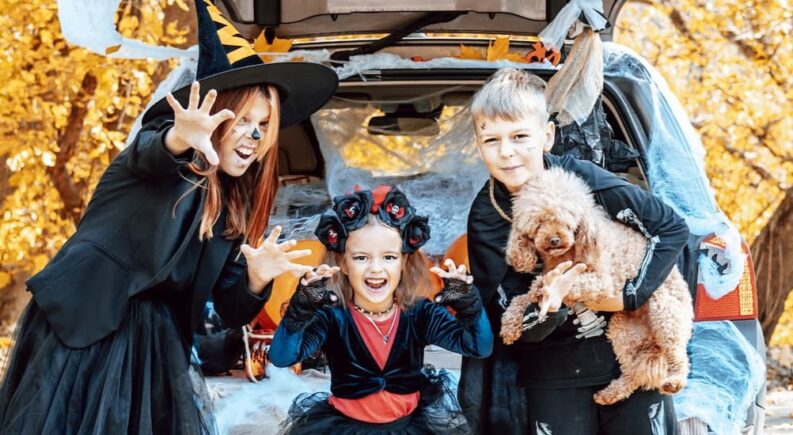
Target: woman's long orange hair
{"type": "Point", "coordinates": [248, 198]}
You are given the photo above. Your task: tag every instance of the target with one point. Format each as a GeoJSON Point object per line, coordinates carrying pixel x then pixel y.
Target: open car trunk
{"type": "Point", "coordinates": [314, 18]}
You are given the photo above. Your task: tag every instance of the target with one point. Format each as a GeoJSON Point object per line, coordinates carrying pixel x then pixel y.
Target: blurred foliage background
{"type": "Point", "coordinates": [730, 63]}
{"type": "Point", "coordinates": [66, 113]}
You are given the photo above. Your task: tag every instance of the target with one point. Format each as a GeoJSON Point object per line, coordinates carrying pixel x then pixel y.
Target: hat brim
{"type": "Point", "coordinates": [304, 88]}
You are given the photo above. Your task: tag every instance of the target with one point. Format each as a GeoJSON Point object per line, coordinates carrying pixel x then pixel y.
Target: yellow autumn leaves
{"type": "Point", "coordinates": [42, 76]}
{"type": "Point", "coordinates": [496, 50]}
{"type": "Point", "coordinates": [731, 66]}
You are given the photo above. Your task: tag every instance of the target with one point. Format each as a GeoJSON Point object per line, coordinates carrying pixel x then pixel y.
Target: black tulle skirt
{"type": "Point", "coordinates": [136, 380]}
{"type": "Point", "coordinates": [438, 412]}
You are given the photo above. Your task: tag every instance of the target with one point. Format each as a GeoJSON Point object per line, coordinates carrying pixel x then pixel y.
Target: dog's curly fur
{"type": "Point", "coordinates": [555, 219]}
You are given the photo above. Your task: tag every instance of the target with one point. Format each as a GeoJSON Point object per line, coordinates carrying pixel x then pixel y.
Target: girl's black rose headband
{"type": "Point", "coordinates": [391, 206]}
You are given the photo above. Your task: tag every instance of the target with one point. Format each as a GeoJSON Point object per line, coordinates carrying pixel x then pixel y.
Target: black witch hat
{"type": "Point", "coordinates": [227, 60]}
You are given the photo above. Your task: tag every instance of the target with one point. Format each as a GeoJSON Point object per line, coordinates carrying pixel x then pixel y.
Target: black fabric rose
{"type": "Point", "coordinates": [331, 231]}
{"type": "Point", "coordinates": [353, 209]}
{"type": "Point", "coordinates": [415, 233]}
{"type": "Point", "coordinates": [395, 209]}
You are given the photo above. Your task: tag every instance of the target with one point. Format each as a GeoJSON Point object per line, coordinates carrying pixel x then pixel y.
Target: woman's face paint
{"type": "Point", "coordinates": [238, 148]}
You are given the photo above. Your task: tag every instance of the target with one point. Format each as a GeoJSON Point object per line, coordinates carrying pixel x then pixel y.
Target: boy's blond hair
{"type": "Point", "coordinates": [510, 94]}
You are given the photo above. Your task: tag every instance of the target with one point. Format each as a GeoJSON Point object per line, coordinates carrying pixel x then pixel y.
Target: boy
{"type": "Point", "coordinates": [545, 383]}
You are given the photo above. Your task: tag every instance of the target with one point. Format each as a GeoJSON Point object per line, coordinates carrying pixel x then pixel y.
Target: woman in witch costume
{"type": "Point", "coordinates": [546, 382]}
{"type": "Point", "coordinates": [179, 215]}
{"type": "Point", "coordinates": [374, 338]}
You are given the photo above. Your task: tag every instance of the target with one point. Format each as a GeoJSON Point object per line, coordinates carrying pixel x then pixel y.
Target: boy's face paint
{"type": "Point", "coordinates": [238, 149]}
{"type": "Point", "coordinates": [512, 150]}
{"type": "Point", "coordinates": [373, 263]}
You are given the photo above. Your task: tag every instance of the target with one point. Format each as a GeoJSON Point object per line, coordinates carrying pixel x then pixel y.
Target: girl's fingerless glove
{"type": "Point", "coordinates": [305, 302]}
{"type": "Point", "coordinates": [462, 298]}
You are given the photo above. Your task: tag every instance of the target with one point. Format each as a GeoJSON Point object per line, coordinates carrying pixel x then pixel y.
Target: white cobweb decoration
{"type": "Point", "coordinates": [440, 174]}
{"type": "Point", "coordinates": [91, 24]}
{"type": "Point", "coordinates": [676, 169]}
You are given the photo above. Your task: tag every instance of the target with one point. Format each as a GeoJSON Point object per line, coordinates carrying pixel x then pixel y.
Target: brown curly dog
{"type": "Point", "coordinates": [555, 219]}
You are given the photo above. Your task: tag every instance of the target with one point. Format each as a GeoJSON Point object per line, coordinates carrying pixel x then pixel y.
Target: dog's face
{"type": "Point", "coordinates": [554, 237]}
{"type": "Point", "coordinates": [554, 218]}
{"type": "Point", "coordinates": [554, 228]}
{"type": "Point", "coordinates": [549, 234]}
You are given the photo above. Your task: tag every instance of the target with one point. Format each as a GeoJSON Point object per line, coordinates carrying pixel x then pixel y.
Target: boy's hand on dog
{"type": "Point", "coordinates": [557, 284]}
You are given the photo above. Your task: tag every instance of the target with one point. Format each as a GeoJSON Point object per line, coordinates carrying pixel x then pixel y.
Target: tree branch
{"type": "Point", "coordinates": [70, 193]}
{"type": "Point", "coordinates": [764, 173]}
{"type": "Point", "coordinates": [774, 280]}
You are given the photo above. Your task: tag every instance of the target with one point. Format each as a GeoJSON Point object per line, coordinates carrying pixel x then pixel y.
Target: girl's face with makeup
{"type": "Point", "coordinates": [373, 263]}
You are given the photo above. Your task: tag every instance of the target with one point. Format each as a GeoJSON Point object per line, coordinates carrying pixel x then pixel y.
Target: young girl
{"type": "Point", "coordinates": [104, 345]}
{"type": "Point", "coordinates": [374, 338]}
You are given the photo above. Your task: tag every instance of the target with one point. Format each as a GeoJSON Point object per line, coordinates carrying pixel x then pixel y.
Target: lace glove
{"type": "Point", "coordinates": [305, 302]}
{"type": "Point", "coordinates": [462, 298]}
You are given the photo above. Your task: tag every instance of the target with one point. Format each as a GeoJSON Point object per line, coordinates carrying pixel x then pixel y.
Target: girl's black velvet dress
{"type": "Point", "coordinates": [81, 365]}
{"type": "Point", "coordinates": [355, 374]}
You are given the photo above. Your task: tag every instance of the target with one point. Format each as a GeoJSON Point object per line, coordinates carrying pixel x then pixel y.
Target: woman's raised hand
{"type": "Point", "coordinates": [193, 126]}
{"type": "Point", "coordinates": [272, 259]}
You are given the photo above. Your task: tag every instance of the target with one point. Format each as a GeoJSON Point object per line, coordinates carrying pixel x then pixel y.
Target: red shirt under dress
{"type": "Point", "coordinates": [383, 406]}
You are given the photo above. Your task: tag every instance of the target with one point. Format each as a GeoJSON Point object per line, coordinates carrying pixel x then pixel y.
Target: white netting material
{"type": "Point", "coordinates": [440, 175]}
{"type": "Point", "coordinates": [555, 32]}
{"type": "Point", "coordinates": [91, 24]}
{"type": "Point", "coordinates": [726, 375]}
{"type": "Point", "coordinates": [676, 168]}
{"type": "Point", "coordinates": [574, 89]}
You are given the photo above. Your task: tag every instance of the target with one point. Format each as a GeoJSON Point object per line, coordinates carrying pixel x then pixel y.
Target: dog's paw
{"type": "Point", "coordinates": [606, 397]}
{"type": "Point", "coordinates": [616, 391]}
{"type": "Point", "coordinates": [535, 295]}
{"type": "Point", "coordinates": [512, 319]}
{"type": "Point", "coordinates": [509, 334]}
{"type": "Point", "coordinates": [673, 385]}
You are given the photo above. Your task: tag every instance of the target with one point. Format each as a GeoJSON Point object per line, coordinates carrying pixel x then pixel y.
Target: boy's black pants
{"type": "Point", "coordinates": [572, 411]}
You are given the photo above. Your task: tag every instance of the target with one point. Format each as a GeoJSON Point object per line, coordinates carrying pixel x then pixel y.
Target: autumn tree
{"type": "Point", "coordinates": [730, 62]}
{"type": "Point", "coordinates": [66, 113]}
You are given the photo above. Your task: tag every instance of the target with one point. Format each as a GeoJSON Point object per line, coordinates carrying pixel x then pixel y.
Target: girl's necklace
{"type": "Point", "coordinates": [386, 336]}
{"type": "Point", "coordinates": [495, 204]}
{"type": "Point", "coordinates": [374, 313]}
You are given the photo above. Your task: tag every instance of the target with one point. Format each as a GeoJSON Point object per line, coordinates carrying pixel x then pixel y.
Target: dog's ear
{"type": "Point", "coordinates": [521, 252]}
{"type": "Point", "coordinates": [587, 248]}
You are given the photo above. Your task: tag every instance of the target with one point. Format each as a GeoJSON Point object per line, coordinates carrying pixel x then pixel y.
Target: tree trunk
{"type": "Point", "coordinates": [70, 193]}
{"type": "Point", "coordinates": [772, 251]}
